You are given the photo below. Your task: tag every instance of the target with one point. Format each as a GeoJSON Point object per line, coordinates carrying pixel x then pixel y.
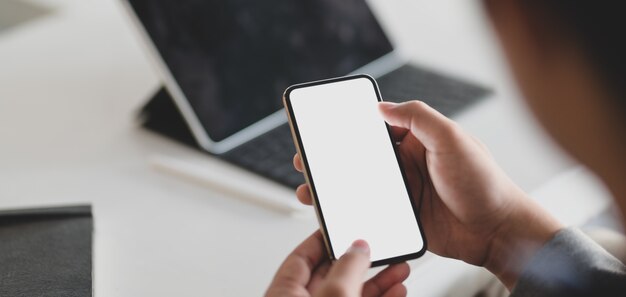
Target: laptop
{"type": "Point", "coordinates": [226, 64]}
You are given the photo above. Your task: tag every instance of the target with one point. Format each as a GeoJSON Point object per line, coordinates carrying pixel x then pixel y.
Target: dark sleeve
{"type": "Point", "coordinates": [571, 264]}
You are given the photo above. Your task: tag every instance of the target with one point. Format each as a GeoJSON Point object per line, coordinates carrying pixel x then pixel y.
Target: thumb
{"type": "Point", "coordinates": [430, 127]}
{"type": "Point", "coordinates": [347, 274]}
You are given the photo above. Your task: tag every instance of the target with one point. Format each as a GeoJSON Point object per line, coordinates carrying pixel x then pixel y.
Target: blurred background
{"type": "Point", "coordinates": [170, 218]}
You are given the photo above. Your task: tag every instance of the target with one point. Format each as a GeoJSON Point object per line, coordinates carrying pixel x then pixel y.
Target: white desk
{"type": "Point", "coordinates": [70, 84]}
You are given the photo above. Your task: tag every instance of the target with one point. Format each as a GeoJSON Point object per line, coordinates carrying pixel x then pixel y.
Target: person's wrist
{"type": "Point", "coordinates": [518, 238]}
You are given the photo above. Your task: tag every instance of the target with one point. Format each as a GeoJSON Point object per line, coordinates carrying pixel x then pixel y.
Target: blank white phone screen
{"type": "Point", "coordinates": [354, 170]}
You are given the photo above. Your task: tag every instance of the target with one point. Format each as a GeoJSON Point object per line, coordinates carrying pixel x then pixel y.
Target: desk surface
{"type": "Point", "coordinates": [69, 87]}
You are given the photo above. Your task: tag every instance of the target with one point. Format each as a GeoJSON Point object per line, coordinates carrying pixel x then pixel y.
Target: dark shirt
{"type": "Point", "coordinates": [571, 264]}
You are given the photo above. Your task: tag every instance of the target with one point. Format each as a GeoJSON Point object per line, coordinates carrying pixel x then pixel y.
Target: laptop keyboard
{"type": "Point", "coordinates": [271, 154]}
{"type": "Point", "coordinates": [446, 95]}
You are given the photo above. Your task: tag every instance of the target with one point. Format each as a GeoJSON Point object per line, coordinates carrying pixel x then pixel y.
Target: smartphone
{"type": "Point", "coordinates": [353, 169]}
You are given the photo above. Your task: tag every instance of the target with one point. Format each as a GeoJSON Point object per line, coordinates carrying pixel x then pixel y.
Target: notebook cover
{"type": "Point", "coordinates": [46, 252]}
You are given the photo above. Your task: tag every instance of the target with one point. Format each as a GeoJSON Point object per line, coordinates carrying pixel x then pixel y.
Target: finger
{"type": "Point", "coordinates": [345, 277]}
{"type": "Point", "coordinates": [318, 276]}
{"type": "Point", "coordinates": [297, 163]}
{"type": "Point", "coordinates": [433, 129]}
{"type": "Point", "coordinates": [399, 290]}
{"type": "Point", "coordinates": [386, 279]}
{"type": "Point", "coordinates": [296, 269]}
{"type": "Point", "coordinates": [304, 194]}
{"type": "Point", "coordinates": [481, 145]}
{"type": "Point", "coordinates": [398, 133]}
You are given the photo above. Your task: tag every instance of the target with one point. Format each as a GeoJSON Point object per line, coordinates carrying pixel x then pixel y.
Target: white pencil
{"type": "Point", "coordinates": [247, 188]}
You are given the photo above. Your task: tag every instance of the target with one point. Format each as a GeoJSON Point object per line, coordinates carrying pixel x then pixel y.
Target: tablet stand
{"type": "Point", "coordinates": [161, 115]}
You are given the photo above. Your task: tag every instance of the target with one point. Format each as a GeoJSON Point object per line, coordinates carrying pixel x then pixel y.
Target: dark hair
{"type": "Point", "coordinates": [600, 29]}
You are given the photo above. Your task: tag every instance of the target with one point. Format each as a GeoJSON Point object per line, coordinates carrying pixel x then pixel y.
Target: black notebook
{"type": "Point", "coordinates": [46, 252]}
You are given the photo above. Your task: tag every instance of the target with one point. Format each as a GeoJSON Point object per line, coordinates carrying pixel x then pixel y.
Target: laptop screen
{"type": "Point", "coordinates": [233, 59]}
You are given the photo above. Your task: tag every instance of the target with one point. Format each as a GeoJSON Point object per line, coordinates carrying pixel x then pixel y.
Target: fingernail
{"type": "Point", "coordinates": [359, 246]}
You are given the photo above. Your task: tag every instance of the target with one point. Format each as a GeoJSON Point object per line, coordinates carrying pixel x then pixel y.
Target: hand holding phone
{"type": "Point", "coordinates": [353, 169]}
